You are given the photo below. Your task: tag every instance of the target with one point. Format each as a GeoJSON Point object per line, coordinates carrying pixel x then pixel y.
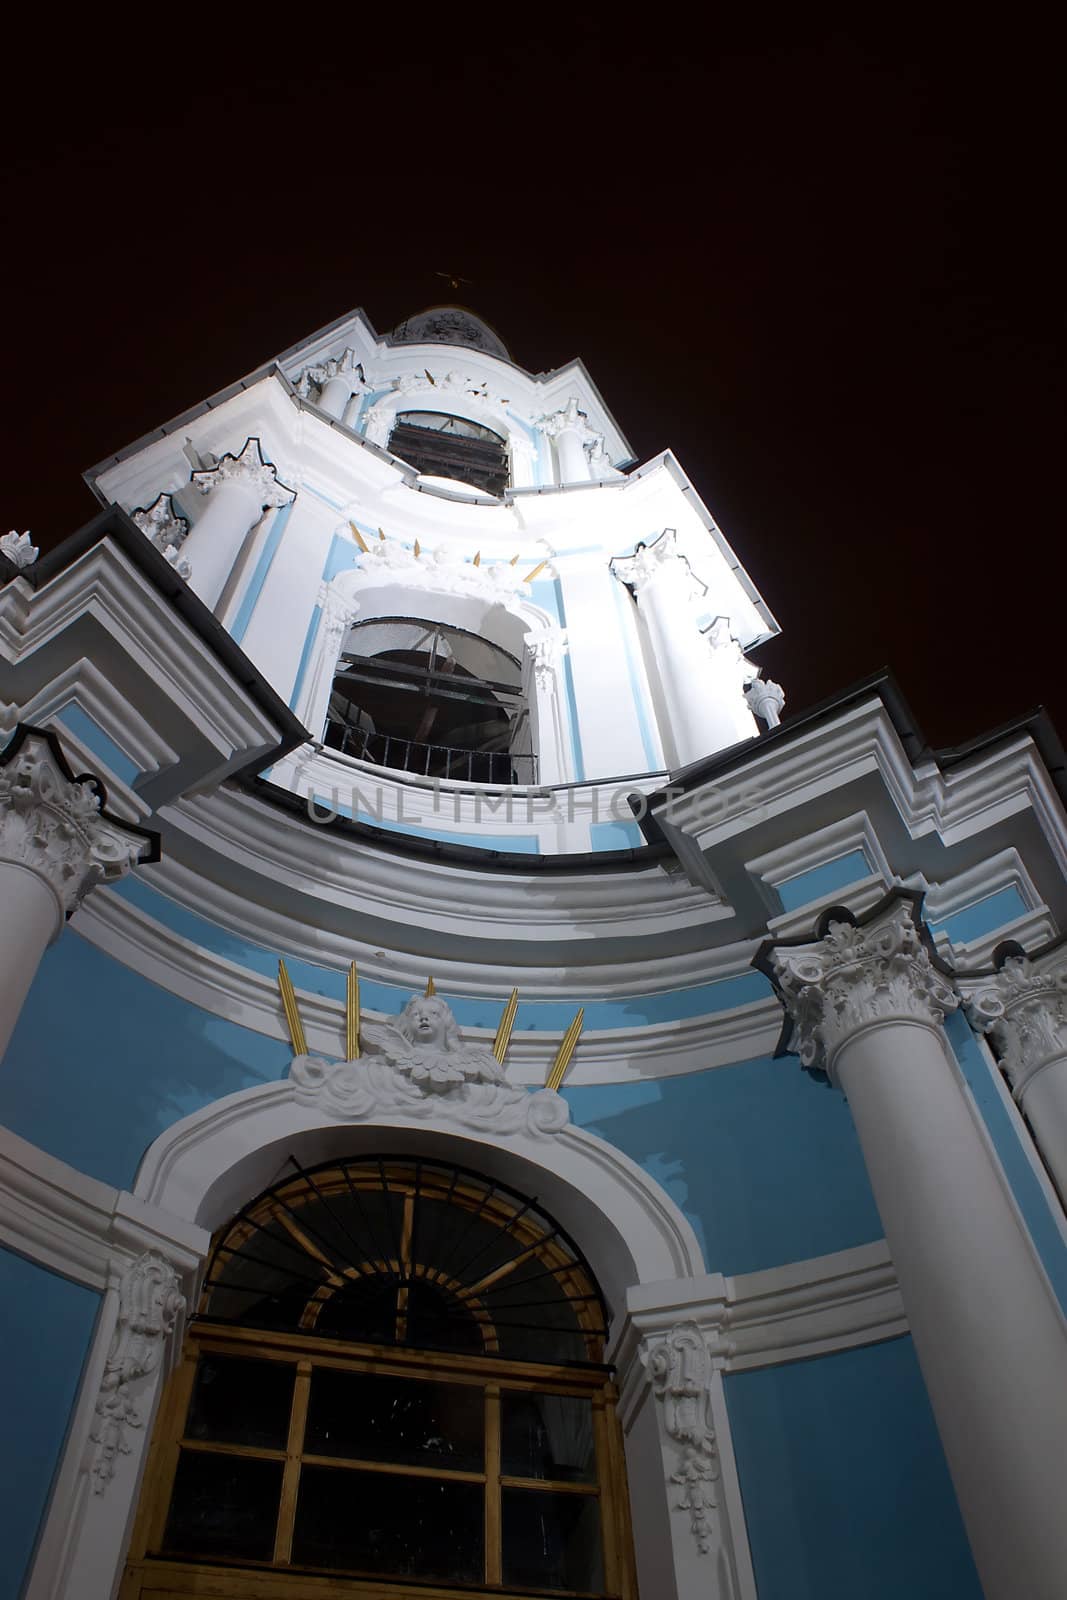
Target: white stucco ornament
{"type": "Point", "coordinates": [421, 1066]}
{"type": "Point", "coordinates": [53, 825]}
{"type": "Point", "coordinates": [150, 1302]}
{"type": "Point", "coordinates": [680, 1369]}
{"type": "Point", "coordinates": [19, 548]}
{"type": "Point", "coordinates": [856, 975]}
{"type": "Point", "coordinates": [1023, 1008]}
{"type": "Point", "coordinates": [167, 531]}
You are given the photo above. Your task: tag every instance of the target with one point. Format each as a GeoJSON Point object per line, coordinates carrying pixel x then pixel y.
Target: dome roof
{"type": "Point", "coordinates": [450, 325]}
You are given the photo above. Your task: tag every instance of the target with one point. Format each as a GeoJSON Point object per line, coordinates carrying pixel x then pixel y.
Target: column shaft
{"type": "Point", "coordinates": [216, 537]}
{"type": "Point", "coordinates": [29, 920]}
{"type": "Point", "coordinates": [989, 1337]}
{"type": "Point", "coordinates": [1044, 1102]}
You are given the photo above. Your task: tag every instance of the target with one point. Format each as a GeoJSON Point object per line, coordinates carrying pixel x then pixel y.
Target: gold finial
{"type": "Point", "coordinates": [292, 1011]}
{"type": "Point", "coordinates": [565, 1051]}
{"type": "Point", "coordinates": [418, 549]}
{"type": "Point", "coordinates": [431, 987]}
{"type": "Point", "coordinates": [363, 545]}
{"type": "Point", "coordinates": [507, 1022]}
{"type": "Point", "coordinates": [530, 576]}
{"type": "Point", "coordinates": [477, 559]}
{"type": "Point", "coordinates": [352, 1015]}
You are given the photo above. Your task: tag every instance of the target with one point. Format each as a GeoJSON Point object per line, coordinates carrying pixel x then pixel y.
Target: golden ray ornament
{"type": "Point", "coordinates": [292, 1011]}
{"type": "Point", "coordinates": [565, 1051]}
{"type": "Point", "coordinates": [530, 576]}
{"type": "Point", "coordinates": [381, 534]}
{"type": "Point", "coordinates": [477, 559]}
{"type": "Point", "coordinates": [418, 549]}
{"type": "Point", "coordinates": [431, 987]}
{"type": "Point", "coordinates": [514, 561]}
{"type": "Point", "coordinates": [352, 1014]}
{"type": "Point", "coordinates": [507, 1023]}
{"type": "Point", "coordinates": [358, 537]}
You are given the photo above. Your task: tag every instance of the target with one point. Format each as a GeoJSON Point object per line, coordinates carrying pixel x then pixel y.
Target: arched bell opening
{"type": "Point", "coordinates": [433, 699]}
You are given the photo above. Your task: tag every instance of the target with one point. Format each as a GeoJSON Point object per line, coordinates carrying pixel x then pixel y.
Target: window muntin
{"type": "Point", "coordinates": [287, 1448]}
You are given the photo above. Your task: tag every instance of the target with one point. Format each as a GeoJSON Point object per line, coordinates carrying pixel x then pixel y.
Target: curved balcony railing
{"type": "Point", "coordinates": [497, 767]}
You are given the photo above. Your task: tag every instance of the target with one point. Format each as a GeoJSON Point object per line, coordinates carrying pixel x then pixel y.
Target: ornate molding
{"type": "Point", "coordinates": [19, 549]}
{"type": "Point", "coordinates": [651, 561]}
{"type": "Point", "coordinates": [150, 1302]}
{"type": "Point", "coordinates": [1023, 1008]}
{"type": "Point", "coordinates": [569, 420]}
{"type": "Point", "coordinates": [680, 1367]}
{"type": "Point", "coordinates": [422, 1067]}
{"type": "Point", "coordinates": [856, 973]}
{"type": "Point", "coordinates": [251, 472]}
{"type": "Point", "coordinates": [54, 823]}
{"type": "Point", "coordinates": [765, 700]}
{"type": "Point", "coordinates": [167, 530]}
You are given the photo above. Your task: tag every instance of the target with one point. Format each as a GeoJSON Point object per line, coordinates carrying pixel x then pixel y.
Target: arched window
{"type": "Point", "coordinates": [394, 1380]}
{"type": "Point", "coordinates": [432, 699]}
{"type": "Point", "coordinates": [444, 446]}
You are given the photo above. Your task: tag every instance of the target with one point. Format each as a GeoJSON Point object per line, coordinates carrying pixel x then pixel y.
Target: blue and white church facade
{"type": "Point", "coordinates": [395, 822]}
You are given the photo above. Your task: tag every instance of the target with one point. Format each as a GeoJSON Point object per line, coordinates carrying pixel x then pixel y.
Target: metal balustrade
{"type": "Point", "coordinates": [502, 767]}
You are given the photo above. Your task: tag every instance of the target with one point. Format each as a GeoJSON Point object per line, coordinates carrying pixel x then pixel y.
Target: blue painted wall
{"type": "Point", "coordinates": [846, 1491]}
{"type": "Point", "coordinates": [103, 1060]}
{"type": "Point", "coordinates": [764, 1162]}
{"type": "Point", "coordinates": [44, 1336]}
{"type": "Point", "coordinates": [823, 880]}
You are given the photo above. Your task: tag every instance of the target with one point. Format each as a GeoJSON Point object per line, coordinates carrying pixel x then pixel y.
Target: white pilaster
{"type": "Point", "coordinates": [703, 677]}
{"type": "Point", "coordinates": [1023, 1008]}
{"type": "Point", "coordinates": [56, 844]}
{"type": "Point", "coordinates": [238, 492]}
{"type": "Point", "coordinates": [867, 1004]}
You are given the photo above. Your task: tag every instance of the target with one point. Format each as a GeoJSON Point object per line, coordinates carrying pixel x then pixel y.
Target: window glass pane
{"type": "Point", "coordinates": [241, 1402]}
{"type": "Point", "coordinates": [552, 1541]}
{"type": "Point", "coordinates": [400, 1420]}
{"type": "Point", "coordinates": [547, 1436]}
{"type": "Point", "coordinates": [223, 1506]}
{"type": "Point", "coordinates": [381, 1522]}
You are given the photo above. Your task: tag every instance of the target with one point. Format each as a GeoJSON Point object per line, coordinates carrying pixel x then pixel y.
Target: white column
{"type": "Point", "coordinates": [703, 678]}
{"type": "Point", "coordinates": [1023, 1008]}
{"type": "Point", "coordinates": [239, 490]}
{"type": "Point", "coordinates": [570, 431]}
{"type": "Point", "coordinates": [867, 1004]}
{"type": "Point", "coordinates": [56, 844]}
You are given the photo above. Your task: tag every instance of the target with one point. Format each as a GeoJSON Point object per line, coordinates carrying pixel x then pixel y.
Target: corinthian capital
{"type": "Point", "coordinates": [249, 469]}
{"type": "Point", "coordinates": [649, 561]}
{"type": "Point", "coordinates": [856, 973]}
{"type": "Point", "coordinates": [568, 420]}
{"type": "Point", "coordinates": [1023, 1008]}
{"type": "Point", "coordinates": [54, 824]}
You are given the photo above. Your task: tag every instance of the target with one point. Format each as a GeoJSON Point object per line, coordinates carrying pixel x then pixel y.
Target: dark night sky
{"type": "Point", "coordinates": [823, 267]}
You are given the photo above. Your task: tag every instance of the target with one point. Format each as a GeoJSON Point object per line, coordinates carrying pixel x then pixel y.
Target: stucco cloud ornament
{"type": "Point", "coordinates": [421, 1066]}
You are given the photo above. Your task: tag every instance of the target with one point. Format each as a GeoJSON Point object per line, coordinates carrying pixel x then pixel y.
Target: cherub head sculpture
{"type": "Point", "coordinates": [428, 1022]}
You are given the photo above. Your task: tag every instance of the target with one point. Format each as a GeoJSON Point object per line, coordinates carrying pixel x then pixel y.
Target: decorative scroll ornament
{"type": "Point", "coordinates": [569, 420]}
{"type": "Point", "coordinates": [421, 1066]}
{"type": "Point", "coordinates": [680, 1369]}
{"type": "Point", "coordinates": [1024, 1010]}
{"type": "Point", "coordinates": [652, 561]}
{"type": "Point", "coordinates": [53, 823]}
{"type": "Point", "coordinates": [150, 1302]}
{"type": "Point", "coordinates": [19, 549]}
{"type": "Point", "coordinates": [248, 469]}
{"type": "Point", "coordinates": [167, 530]}
{"type": "Point", "coordinates": [857, 975]}
{"type": "Point", "coordinates": [765, 700]}
{"type": "Point", "coordinates": [347, 365]}
{"type": "Point", "coordinates": [547, 647]}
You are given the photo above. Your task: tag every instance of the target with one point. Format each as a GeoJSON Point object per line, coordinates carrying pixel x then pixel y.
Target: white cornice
{"type": "Point", "coordinates": [81, 1228]}
{"type": "Point", "coordinates": [251, 999]}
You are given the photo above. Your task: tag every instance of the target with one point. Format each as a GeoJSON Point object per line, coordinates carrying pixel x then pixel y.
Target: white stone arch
{"type": "Point", "coordinates": [488, 601]}
{"type": "Point", "coordinates": [202, 1170]}
{"type": "Point", "coordinates": [206, 1167]}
